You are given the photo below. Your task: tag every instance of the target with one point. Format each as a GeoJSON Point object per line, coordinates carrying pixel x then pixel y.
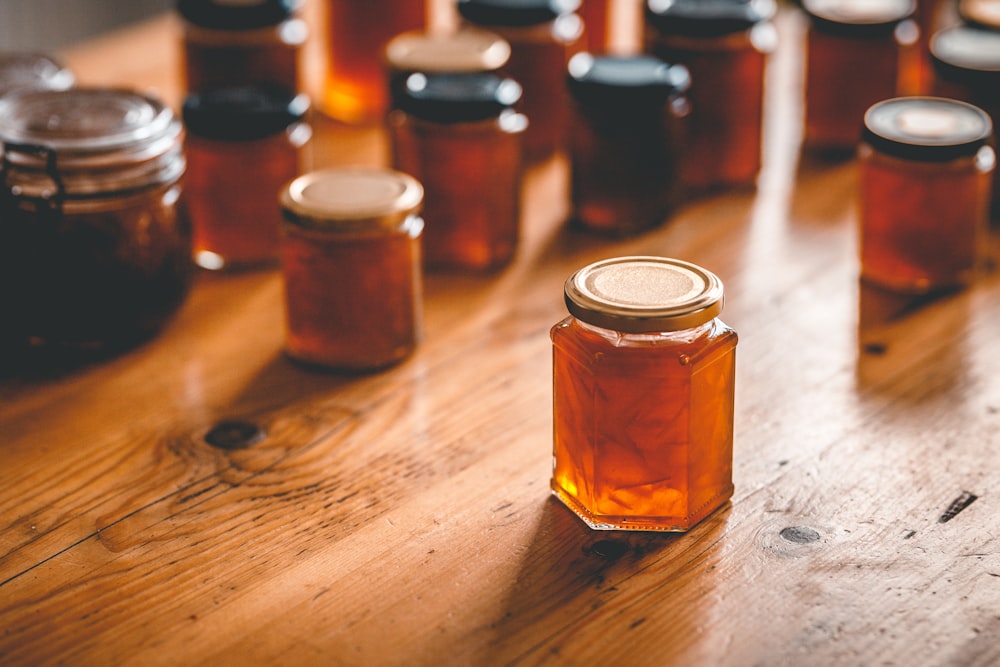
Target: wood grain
{"type": "Point", "coordinates": [404, 518]}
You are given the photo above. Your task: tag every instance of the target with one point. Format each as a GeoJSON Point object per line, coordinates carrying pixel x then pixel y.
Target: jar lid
{"type": "Point", "coordinates": [967, 54]}
{"type": "Point", "coordinates": [644, 294]}
{"type": "Point", "coordinates": [466, 50]}
{"type": "Point", "coordinates": [32, 70]}
{"type": "Point", "coordinates": [624, 80]}
{"type": "Point", "coordinates": [931, 129]}
{"type": "Point", "coordinates": [513, 13]}
{"type": "Point", "coordinates": [456, 98]}
{"type": "Point", "coordinates": [984, 13]}
{"type": "Point", "coordinates": [96, 140]}
{"type": "Point", "coordinates": [237, 14]}
{"type": "Point", "coordinates": [243, 114]}
{"type": "Point", "coordinates": [707, 18]}
{"type": "Point", "coordinates": [859, 18]}
{"type": "Point", "coordinates": [352, 200]}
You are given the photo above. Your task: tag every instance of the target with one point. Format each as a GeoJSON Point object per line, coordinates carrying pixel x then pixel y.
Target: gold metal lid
{"type": "Point", "coordinates": [984, 13]}
{"type": "Point", "coordinates": [467, 50]}
{"type": "Point", "coordinates": [644, 294]}
{"type": "Point", "coordinates": [352, 200]}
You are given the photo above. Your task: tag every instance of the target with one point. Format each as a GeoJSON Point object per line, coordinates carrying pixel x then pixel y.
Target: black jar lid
{"type": "Point", "coordinates": [514, 13]}
{"type": "Point", "coordinates": [237, 14]}
{"type": "Point", "coordinates": [858, 18]}
{"type": "Point", "coordinates": [928, 129]}
{"type": "Point", "coordinates": [243, 114]}
{"type": "Point", "coordinates": [707, 18]}
{"type": "Point", "coordinates": [456, 97]}
{"type": "Point", "coordinates": [968, 55]}
{"type": "Point", "coordinates": [622, 81]}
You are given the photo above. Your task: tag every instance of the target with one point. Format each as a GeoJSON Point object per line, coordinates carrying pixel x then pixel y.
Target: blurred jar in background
{"type": "Point", "coordinates": [853, 60]}
{"type": "Point", "coordinates": [358, 31]}
{"type": "Point", "coordinates": [625, 143]}
{"type": "Point", "coordinates": [94, 245]}
{"type": "Point", "coordinates": [463, 51]}
{"type": "Point", "coordinates": [725, 45]}
{"type": "Point", "coordinates": [232, 43]}
{"type": "Point", "coordinates": [924, 190]}
{"type": "Point", "coordinates": [37, 71]}
{"type": "Point", "coordinates": [458, 134]}
{"type": "Point", "coordinates": [243, 146]}
{"type": "Point", "coordinates": [612, 26]}
{"type": "Point", "coordinates": [543, 35]}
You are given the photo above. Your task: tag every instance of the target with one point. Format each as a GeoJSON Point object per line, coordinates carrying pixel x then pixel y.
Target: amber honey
{"type": "Point", "coordinates": [596, 16]}
{"type": "Point", "coordinates": [725, 46]}
{"type": "Point", "coordinates": [351, 261]}
{"type": "Point", "coordinates": [924, 184]}
{"type": "Point", "coordinates": [357, 34]}
{"type": "Point", "coordinates": [643, 388]}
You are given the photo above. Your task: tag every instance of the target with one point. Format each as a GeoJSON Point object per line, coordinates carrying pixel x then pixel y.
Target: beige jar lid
{"type": "Point", "coordinates": [352, 200]}
{"type": "Point", "coordinates": [984, 13]}
{"type": "Point", "coordinates": [466, 50]}
{"type": "Point", "coordinates": [644, 294]}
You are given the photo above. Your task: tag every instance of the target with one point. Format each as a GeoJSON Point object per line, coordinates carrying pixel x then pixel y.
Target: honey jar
{"type": "Point", "coordinates": [351, 257]}
{"type": "Point", "coordinates": [924, 188]}
{"type": "Point", "coordinates": [32, 70]}
{"type": "Point", "coordinates": [235, 43]}
{"type": "Point", "coordinates": [357, 34]}
{"type": "Point", "coordinates": [625, 140]}
{"type": "Point", "coordinates": [725, 45]}
{"type": "Point", "coordinates": [543, 35]}
{"type": "Point", "coordinates": [854, 50]}
{"type": "Point", "coordinates": [95, 245]}
{"type": "Point", "coordinates": [243, 146]}
{"type": "Point", "coordinates": [966, 63]}
{"type": "Point", "coordinates": [462, 51]}
{"type": "Point", "coordinates": [643, 389]}
{"type": "Point", "coordinates": [458, 134]}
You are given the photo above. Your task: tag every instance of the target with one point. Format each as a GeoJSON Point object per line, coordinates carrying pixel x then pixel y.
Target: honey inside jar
{"type": "Point", "coordinates": [643, 418]}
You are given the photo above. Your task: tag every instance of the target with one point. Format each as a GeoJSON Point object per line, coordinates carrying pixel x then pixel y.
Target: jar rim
{"type": "Point", "coordinates": [932, 129]}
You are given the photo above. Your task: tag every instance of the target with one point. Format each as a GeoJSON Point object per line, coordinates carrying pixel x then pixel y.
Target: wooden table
{"type": "Point", "coordinates": [404, 518]}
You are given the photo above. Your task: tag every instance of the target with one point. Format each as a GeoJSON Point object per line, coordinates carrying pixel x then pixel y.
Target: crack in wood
{"type": "Point", "coordinates": [957, 505]}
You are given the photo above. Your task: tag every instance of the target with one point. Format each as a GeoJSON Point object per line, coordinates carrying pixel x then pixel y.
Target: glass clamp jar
{"type": "Point", "coordinates": [643, 391]}
{"type": "Point", "coordinates": [725, 46]}
{"type": "Point", "coordinates": [924, 186]}
{"type": "Point", "coordinates": [625, 140]}
{"type": "Point", "coordinates": [351, 257]}
{"type": "Point", "coordinates": [35, 71]}
{"type": "Point", "coordinates": [95, 251]}
{"type": "Point", "coordinates": [459, 135]}
{"type": "Point", "coordinates": [243, 146]}
{"type": "Point", "coordinates": [543, 35]}
{"type": "Point", "coordinates": [233, 43]}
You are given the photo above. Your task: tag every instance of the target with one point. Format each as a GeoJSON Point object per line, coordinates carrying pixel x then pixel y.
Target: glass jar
{"type": "Point", "coordinates": [924, 186]}
{"type": "Point", "coordinates": [725, 46]}
{"type": "Point", "coordinates": [643, 388]}
{"type": "Point", "coordinates": [459, 135]}
{"type": "Point", "coordinates": [357, 34]}
{"type": "Point", "coordinates": [351, 256]}
{"type": "Point", "coordinates": [95, 250]}
{"type": "Point", "coordinates": [36, 71]}
{"type": "Point", "coordinates": [234, 43]}
{"type": "Point", "coordinates": [853, 54]}
{"type": "Point", "coordinates": [464, 51]}
{"type": "Point", "coordinates": [625, 140]}
{"type": "Point", "coordinates": [243, 146]}
{"type": "Point", "coordinates": [543, 35]}
{"type": "Point", "coordinates": [966, 62]}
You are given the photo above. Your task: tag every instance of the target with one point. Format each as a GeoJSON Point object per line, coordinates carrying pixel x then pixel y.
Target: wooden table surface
{"type": "Point", "coordinates": [404, 518]}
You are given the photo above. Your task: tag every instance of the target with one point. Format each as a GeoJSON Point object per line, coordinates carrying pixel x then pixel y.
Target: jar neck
{"type": "Point", "coordinates": [679, 336]}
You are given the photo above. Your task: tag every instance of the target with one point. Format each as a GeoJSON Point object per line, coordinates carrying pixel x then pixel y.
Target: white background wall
{"type": "Point", "coordinates": [46, 25]}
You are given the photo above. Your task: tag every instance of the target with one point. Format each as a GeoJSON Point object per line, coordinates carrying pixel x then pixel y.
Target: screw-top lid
{"type": "Point", "coordinates": [243, 114]}
{"type": "Point", "coordinates": [984, 13]}
{"type": "Point", "coordinates": [37, 71]}
{"type": "Point", "coordinates": [456, 98]}
{"type": "Point", "coordinates": [968, 55]}
{"type": "Point", "coordinates": [352, 200]}
{"type": "Point", "coordinates": [707, 18]}
{"type": "Point", "coordinates": [930, 129]}
{"type": "Point", "coordinates": [237, 14]}
{"type": "Point", "coordinates": [466, 50]}
{"type": "Point", "coordinates": [858, 18]}
{"type": "Point", "coordinates": [514, 13]}
{"type": "Point", "coordinates": [88, 140]}
{"type": "Point", "coordinates": [644, 294]}
{"type": "Point", "coordinates": [622, 81]}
